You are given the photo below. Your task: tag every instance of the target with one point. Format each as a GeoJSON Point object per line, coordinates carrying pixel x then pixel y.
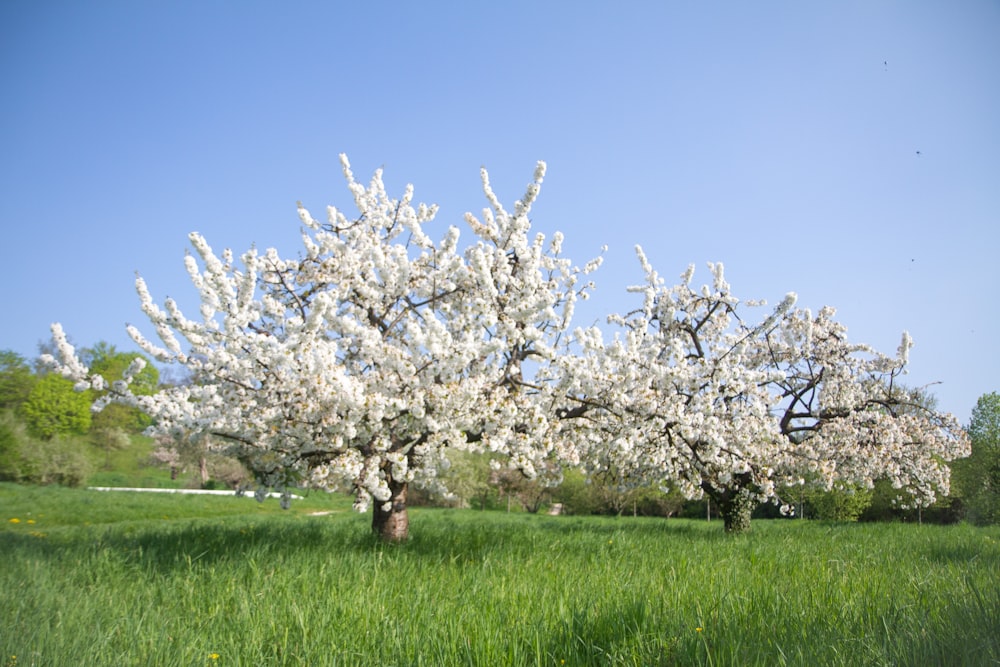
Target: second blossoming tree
{"type": "Point", "coordinates": [370, 354]}
{"type": "Point", "coordinates": [696, 393]}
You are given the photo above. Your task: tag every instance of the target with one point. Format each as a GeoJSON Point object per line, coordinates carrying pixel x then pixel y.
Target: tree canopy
{"type": "Point", "coordinates": [54, 408]}
{"type": "Point", "coordinates": [16, 379]}
{"type": "Point", "coordinates": [697, 394]}
{"type": "Point", "coordinates": [979, 475]}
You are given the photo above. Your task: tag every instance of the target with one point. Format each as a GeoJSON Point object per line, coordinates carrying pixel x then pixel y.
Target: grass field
{"type": "Point", "coordinates": [91, 578]}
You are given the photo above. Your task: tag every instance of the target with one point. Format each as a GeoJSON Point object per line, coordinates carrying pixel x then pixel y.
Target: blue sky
{"type": "Point", "coordinates": [847, 151]}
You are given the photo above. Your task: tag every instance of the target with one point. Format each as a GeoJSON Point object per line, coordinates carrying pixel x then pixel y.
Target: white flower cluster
{"type": "Point", "coordinates": [374, 351]}
{"type": "Point", "coordinates": [692, 394]}
{"type": "Point", "coordinates": [378, 348]}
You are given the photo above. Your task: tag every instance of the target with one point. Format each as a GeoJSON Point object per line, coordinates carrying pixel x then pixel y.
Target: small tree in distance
{"type": "Point", "coordinates": [695, 395]}
{"type": "Point", "coordinates": [979, 475]}
{"type": "Point", "coordinates": [16, 379]}
{"type": "Point", "coordinates": [53, 408]}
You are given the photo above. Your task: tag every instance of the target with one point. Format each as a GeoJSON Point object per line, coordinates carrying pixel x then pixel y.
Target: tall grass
{"type": "Point", "coordinates": [241, 585]}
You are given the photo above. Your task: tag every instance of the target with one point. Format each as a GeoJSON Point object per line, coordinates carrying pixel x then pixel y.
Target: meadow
{"type": "Point", "coordinates": [92, 578]}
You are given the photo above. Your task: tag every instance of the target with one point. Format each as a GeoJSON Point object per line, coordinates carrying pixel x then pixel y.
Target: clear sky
{"type": "Point", "coordinates": [847, 151]}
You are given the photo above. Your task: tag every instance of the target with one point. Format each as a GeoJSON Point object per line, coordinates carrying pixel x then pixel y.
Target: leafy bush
{"type": "Point", "coordinates": [847, 504]}
{"type": "Point", "coordinates": [54, 408]}
{"type": "Point", "coordinates": [23, 458]}
{"type": "Point", "coordinates": [11, 435]}
{"type": "Point", "coordinates": [577, 494]}
{"type": "Point", "coordinates": [227, 473]}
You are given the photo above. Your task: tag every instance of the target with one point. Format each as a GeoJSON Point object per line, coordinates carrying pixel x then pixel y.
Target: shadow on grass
{"type": "Point", "coordinates": [964, 553]}
{"type": "Point", "coordinates": [166, 545]}
{"type": "Point", "coordinates": [623, 634]}
{"type": "Point", "coordinates": [435, 535]}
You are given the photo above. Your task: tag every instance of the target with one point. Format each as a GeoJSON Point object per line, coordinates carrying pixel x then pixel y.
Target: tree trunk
{"type": "Point", "coordinates": [735, 509]}
{"type": "Point", "coordinates": [392, 525]}
{"type": "Point", "coordinates": [734, 504]}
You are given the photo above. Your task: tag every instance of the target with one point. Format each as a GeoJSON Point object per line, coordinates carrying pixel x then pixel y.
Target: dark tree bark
{"type": "Point", "coordinates": [735, 505]}
{"type": "Point", "coordinates": [392, 525]}
{"type": "Point", "coordinates": [735, 510]}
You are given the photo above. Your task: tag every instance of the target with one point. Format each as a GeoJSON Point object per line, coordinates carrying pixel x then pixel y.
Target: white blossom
{"type": "Point", "coordinates": [692, 395]}
{"type": "Point", "coordinates": [375, 350]}
{"type": "Point", "coordinates": [363, 359]}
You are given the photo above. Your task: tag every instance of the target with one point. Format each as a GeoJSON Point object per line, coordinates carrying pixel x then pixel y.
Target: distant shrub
{"type": "Point", "coordinates": [11, 435]}
{"type": "Point", "coordinates": [27, 459]}
{"type": "Point", "coordinates": [227, 473]}
{"type": "Point", "coordinates": [577, 495]}
{"type": "Point", "coordinates": [60, 460]}
{"type": "Point", "coordinates": [847, 504]}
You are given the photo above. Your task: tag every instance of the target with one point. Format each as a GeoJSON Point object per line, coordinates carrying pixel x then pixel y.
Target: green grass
{"type": "Point", "coordinates": [110, 579]}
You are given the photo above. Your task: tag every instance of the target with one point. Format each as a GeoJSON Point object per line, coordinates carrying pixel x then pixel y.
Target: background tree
{"type": "Point", "coordinates": [57, 460]}
{"type": "Point", "coordinates": [370, 355]}
{"type": "Point", "coordinates": [183, 453]}
{"type": "Point", "coordinates": [41, 418]}
{"type": "Point", "coordinates": [12, 435]}
{"type": "Point", "coordinates": [846, 503]}
{"type": "Point", "coordinates": [531, 493]}
{"type": "Point", "coordinates": [978, 476]}
{"type": "Point", "coordinates": [16, 380]}
{"type": "Point", "coordinates": [466, 476]}
{"type": "Point", "coordinates": [54, 408]}
{"type": "Point", "coordinates": [105, 360]}
{"type": "Point", "coordinates": [110, 429]}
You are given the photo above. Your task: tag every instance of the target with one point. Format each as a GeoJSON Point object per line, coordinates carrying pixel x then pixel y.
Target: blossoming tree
{"type": "Point", "coordinates": [379, 348]}
{"type": "Point", "coordinates": [369, 355]}
{"type": "Point", "coordinates": [695, 394]}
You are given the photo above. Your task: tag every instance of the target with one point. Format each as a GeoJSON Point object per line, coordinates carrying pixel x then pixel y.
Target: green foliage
{"type": "Point", "coordinates": [109, 440]}
{"type": "Point", "coordinates": [24, 458]}
{"type": "Point", "coordinates": [845, 504]}
{"type": "Point", "coordinates": [117, 417]}
{"type": "Point", "coordinates": [580, 495]}
{"type": "Point", "coordinates": [475, 588]}
{"type": "Point", "coordinates": [887, 505]}
{"type": "Point", "coordinates": [105, 360]}
{"type": "Point", "coordinates": [59, 460]}
{"type": "Point", "coordinates": [577, 495]}
{"type": "Point", "coordinates": [977, 478]}
{"type": "Point", "coordinates": [54, 408]}
{"type": "Point", "coordinates": [11, 436]}
{"type": "Point", "coordinates": [16, 379]}
{"type": "Point", "coordinates": [73, 460]}
{"type": "Point", "coordinates": [468, 479]}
